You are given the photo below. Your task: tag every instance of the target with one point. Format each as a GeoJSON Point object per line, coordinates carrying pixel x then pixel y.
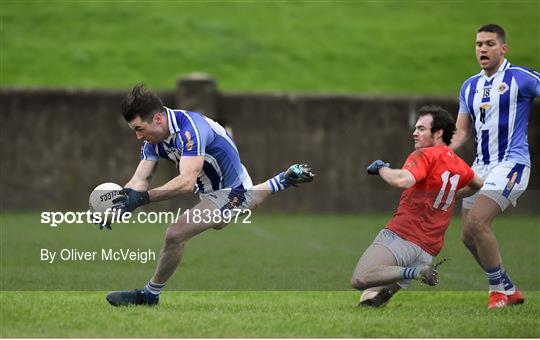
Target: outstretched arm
{"type": "Point", "coordinates": [397, 178]}
{"type": "Point", "coordinates": [134, 194]}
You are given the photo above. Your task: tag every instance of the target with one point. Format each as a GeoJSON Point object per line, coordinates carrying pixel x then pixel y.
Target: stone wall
{"type": "Point", "coordinates": [59, 144]}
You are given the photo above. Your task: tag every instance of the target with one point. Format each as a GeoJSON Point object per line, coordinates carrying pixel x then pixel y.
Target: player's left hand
{"type": "Point", "coordinates": [130, 199]}
{"type": "Point", "coordinates": [375, 166]}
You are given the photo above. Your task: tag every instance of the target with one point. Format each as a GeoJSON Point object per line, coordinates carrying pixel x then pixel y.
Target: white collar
{"type": "Point", "coordinates": [504, 66]}
{"type": "Point", "coordinates": [171, 122]}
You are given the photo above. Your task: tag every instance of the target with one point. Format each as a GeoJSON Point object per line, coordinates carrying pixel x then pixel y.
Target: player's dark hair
{"type": "Point", "coordinates": [494, 28]}
{"type": "Point", "coordinates": [442, 120]}
{"type": "Point", "coordinates": [141, 102]}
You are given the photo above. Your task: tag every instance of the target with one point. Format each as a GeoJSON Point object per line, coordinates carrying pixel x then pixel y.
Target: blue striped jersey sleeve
{"type": "Point", "coordinates": [528, 80]}
{"type": "Point", "coordinates": [148, 152]}
{"type": "Point", "coordinates": [463, 107]}
{"type": "Point", "coordinates": [537, 88]}
{"type": "Point", "coordinates": [195, 133]}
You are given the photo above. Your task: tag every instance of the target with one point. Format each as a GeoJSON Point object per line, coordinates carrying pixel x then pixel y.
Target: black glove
{"type": "Point", "coordinates": [106, 225]}
{"type": "Point", "coordinates": [373, 168]}
{"type": "Point", "coordinates": [131, 199]}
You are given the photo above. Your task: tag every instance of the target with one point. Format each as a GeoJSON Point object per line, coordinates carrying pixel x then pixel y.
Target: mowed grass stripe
{"type": "Point", "coordinates": [266, 314]}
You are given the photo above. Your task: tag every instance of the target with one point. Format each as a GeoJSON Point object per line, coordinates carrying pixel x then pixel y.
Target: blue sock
{"type": "Point", "coordinates": [509, 287]}
{"type": "Point", "coordinates": [152, 290]}
{"type": "Point", "coordinates": [495, 280]}
{"type": "Point", "coordinates": [275, 183]}
{"type": "Point", "coordinates": [409, 272]}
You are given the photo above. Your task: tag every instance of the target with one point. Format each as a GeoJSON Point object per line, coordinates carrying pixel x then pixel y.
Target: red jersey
{"type": "Point", "coordinates": [425, 210]}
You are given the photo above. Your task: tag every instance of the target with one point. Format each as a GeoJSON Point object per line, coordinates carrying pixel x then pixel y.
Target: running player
{"type": "Point", "coordinates": [208, 163]}
{"type": "Point", "coordinates": [433, 178]}
{"type": "Point", "coordinates": [496, 103]}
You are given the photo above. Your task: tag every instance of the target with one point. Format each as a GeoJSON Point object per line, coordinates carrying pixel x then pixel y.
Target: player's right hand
{"type": "Point", "coordinates": [375, 166]}
{"type": "Point", "coordinates": [129, 199]}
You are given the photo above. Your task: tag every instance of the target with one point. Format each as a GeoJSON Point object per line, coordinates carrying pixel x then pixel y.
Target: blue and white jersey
{"type": "Point", "coordinates": [499, 107]}
{"type": "Point", "coordinates": [192, 134]}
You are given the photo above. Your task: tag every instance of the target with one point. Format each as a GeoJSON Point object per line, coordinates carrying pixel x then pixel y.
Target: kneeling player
{"type": "Point", "coordinates": [404, 249]}
{"type": "Point", "coordinates": [208, 162]}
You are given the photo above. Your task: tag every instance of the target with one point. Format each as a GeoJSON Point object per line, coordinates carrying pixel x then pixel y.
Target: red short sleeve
{"type": "Point", "coordinates": [418, 164]}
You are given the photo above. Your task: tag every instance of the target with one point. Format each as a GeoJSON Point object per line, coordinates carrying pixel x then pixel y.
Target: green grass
{"type": "Point", "coordinates": [281, 276]}
{"type": "Point", "coordinates": [266, 314]}
{"type": "Point", "coordinates": [424, 47]}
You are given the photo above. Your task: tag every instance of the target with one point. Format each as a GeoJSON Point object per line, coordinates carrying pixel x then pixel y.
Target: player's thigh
{"type": "Point", "coordinates": [484, 210]}
{"type": "Point", "coordinates": [196, 220]}
{"type": "Point", "coordinates": [464, 216]}
{"type": "Point", "coordinates": [378, 253]}
{"type": "Point", "coordinates": [374, 255]}
{"type": "Point", "coordinates": [229, 204]}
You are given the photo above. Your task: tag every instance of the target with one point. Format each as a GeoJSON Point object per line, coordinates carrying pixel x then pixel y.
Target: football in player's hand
{"type": "Point", "coordinates": [102, 197]}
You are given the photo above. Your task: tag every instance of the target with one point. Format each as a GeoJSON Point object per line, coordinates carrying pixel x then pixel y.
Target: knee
{"type": "Point", "coordinates": [175, 236]}
{"type": "Point", "coordinates": [255, 202]}
{"type": "Point", "coordinates": [467, 236]}
{"type": "Point", "coordinates": [359, 282]}
{"type": "Point", "coordinates": [475, 224]}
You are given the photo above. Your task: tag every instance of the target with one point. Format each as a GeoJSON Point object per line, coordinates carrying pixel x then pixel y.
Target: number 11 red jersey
{"type": "Point", "coordinates": [425, 210]}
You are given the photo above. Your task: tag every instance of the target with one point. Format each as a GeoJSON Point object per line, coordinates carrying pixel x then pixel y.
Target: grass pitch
{"type": "Point", "coordinates": [281, 276]}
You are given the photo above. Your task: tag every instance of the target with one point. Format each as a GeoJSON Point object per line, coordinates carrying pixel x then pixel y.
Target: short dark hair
{"type": "Point", "coordinates": [442, 120]}
{"type": "Point", "coordinates": [494, 28]}
{"type": "Point", "coordinates": [141, 102]}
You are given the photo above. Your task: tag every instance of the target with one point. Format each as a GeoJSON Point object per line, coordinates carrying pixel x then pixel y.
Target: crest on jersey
{"type": "Point", "coordinates": [189, 145]}
{"type": "Point", "coordinates": [503, 88]}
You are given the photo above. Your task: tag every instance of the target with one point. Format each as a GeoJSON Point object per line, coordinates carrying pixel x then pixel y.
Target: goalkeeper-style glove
{"type": "Point", "coordinates": [373, 168]}
{"type": "Point", "coordinates": [131, 199]}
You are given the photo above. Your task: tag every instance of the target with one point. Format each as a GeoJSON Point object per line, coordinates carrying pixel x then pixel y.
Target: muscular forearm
{"type": "Point", "coordinates": [469, 190]}
{"type": "Point", "coordinates": [397, 178]}
{"type": "Point", "coordinates": [137, 184]}
{"type": "Point", "coordinates": [176, 186]}
{"type": "Point", "coordinates": [460, 137]}
{"type": "Point", "coordinates": [465, 192]}
{"type": "Point", "coordinates": [142, 177]}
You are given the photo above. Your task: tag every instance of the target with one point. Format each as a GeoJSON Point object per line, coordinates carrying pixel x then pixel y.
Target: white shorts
{"type": "Point", "coordinates": [407, 254]}
{"type": "Point", "coordinates": [503, 182]}
{"type": "Point", "coordinates": [229, 199]}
